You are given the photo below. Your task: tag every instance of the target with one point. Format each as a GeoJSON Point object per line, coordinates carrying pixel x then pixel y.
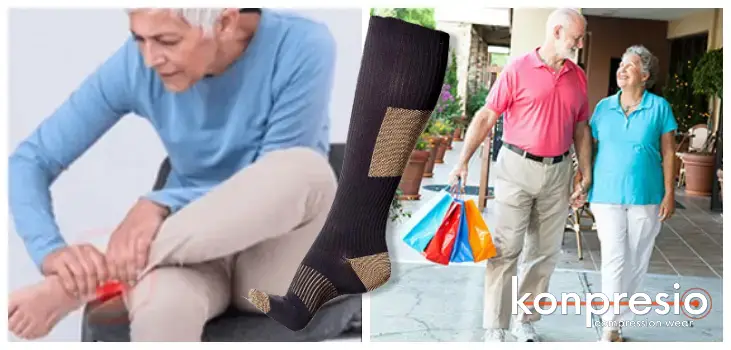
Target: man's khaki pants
{"type": "Point", "coordinates": [252, 231]}
{"type": "Point", "coordinates": [531, 208]}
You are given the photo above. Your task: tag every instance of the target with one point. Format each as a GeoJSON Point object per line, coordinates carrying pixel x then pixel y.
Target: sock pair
{"type": "Point", "coordinates": [400, 79]}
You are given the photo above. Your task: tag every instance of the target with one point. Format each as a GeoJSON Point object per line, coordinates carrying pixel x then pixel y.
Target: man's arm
{"type": "Point", "coordinates": [303, 89]}
{"type": "Point", "coordinates": [100, 101]}
{"type": "Point", "coordinates": [480, 126]}
{"type": "Point", "coordinates": [667, 144]}
{"type": "Point", "coordinates": [584, 151]}
{"type": "Point", "coordinates": [498, 100]}
{"type": "Point", "coordinates": [583, 141]}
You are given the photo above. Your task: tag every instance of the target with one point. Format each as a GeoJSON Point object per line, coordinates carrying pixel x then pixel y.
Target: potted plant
{"type": "Point", "coordinates": [451, 103]}
{"type": "Point", "coordinates": [440, 120]}
{"type": "Point", "coordinates": [459, 129]}
{"type": "Point", "coordinates": [687, 107]}
{"type": "Point", "coordinates": [440, 129]}
{"type": "Point", "coordinates": [434, 141]}
{"type": "Point", "coordinates": [449, 133]}
{"type": "Point", "coordinates": [707, 79]}
{"type": "Point", "coordinates": [414, 171]}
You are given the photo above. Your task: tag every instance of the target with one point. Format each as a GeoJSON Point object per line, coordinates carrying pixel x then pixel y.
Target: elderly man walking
{"type": "Point", "coordinates": [542, 95]}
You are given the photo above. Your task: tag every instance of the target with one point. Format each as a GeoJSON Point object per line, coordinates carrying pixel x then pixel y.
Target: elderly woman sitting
{"type": "Point", "coordinates": [633, 173]}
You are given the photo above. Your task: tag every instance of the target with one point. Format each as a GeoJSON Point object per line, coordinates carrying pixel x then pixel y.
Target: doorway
{"type": "Point", "coordinates": [684, 54]}
{"type": "Point", "coordinates": [613, 66]}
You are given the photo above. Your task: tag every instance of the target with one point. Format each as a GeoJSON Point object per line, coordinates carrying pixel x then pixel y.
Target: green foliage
{"type": "Point", "coordinates": [448, 110]}
{"type": "Point", "coordinates": [687, 107]}
{"type": "Point", "coordinates": [397, 209]}
{"type": "Point", "coordinates": [441, 127]}
{"type": "Point", "coordinates": [450, 78]}
{"type": "Point", "coordinates": [476, 100]}
{"type": "Point", "coordinates": [449, 106]}
{"type": "Point", "coordinates": [421, 143]}
{"type": "Point", "coordinates": [499, 59]}
{"type": "Point", "coordinates": [421, 16]}
{"type": "Point", "coordinates": [708, 74]}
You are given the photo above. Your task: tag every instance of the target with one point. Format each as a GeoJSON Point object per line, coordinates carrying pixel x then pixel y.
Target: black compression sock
{"type": "Point", "coordinates": [400, 79]}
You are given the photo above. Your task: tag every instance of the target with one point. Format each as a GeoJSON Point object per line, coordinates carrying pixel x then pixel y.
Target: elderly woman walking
{"type": "Point", "coordinates": [634, 131]}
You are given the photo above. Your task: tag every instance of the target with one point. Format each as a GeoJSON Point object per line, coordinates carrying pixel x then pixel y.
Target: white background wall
{"type": "Point", "coordinates": [50, 53]}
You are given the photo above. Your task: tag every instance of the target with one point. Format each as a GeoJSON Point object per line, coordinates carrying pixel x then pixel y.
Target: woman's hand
{"type": "Point", "coordinates": [581, 189]}
{"type": "Point", "coordinates": [129, 246]}
{"type": "Point", "coordinates": [667, 207]}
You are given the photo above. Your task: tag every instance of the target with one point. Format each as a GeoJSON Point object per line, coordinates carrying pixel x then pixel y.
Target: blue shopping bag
{"type": "Point", "coordinates": [462, 251]}
{"type": "Point", "coordinates": [424, 223]}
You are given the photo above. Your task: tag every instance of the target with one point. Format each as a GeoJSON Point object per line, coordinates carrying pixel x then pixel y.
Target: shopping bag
{"type": "Point", "coordinates": [439, 249]}
{"type": "Point", "coordinates": [462, 251]}
{"type": "Point", "coordinates": [479, 235]}
{"type": "Point", "coordinates": [423, 224]}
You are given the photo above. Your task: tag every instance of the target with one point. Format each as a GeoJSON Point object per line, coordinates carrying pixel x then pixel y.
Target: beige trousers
{"type": "Point", "coordinates": [531, 208]}
{"type": "Point", "coordinates": [252, 231]}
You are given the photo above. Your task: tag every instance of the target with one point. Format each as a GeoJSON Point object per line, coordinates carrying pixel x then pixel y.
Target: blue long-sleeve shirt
{"type": "Point", "coordinates": [275, 95]}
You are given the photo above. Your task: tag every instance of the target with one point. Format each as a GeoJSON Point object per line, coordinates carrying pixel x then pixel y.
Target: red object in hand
{"type": "Point", "coordinates": [109, 290]}
{"type": "Point", "coordinates": [440, 248]}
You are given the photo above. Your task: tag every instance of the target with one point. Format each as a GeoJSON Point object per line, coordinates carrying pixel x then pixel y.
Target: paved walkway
{"type": "Point", "coordinates": [426, 302]}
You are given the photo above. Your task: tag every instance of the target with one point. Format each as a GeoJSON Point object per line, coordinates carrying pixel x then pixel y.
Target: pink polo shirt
{"type": "Point", "coordinates": [541, 108]}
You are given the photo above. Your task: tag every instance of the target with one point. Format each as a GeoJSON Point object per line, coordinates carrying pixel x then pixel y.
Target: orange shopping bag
{"type": "Point", "coordinates": [480, 238]}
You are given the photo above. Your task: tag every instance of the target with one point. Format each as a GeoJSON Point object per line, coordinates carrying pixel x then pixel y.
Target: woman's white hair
{"type": "Point", "coordinates": [205, 18]}
{"type": "Point", "coordinates": [650, 64]}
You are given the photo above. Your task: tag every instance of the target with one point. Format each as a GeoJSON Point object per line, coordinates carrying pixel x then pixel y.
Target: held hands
{"type": "Point", "coordinates": [667, 207]}
{"type": "Point", "coordinates": [129, 246]}
{"type": "Point", "coordinates": [581, 190]}
{"type": "Point", "coordinates": [81, 268]}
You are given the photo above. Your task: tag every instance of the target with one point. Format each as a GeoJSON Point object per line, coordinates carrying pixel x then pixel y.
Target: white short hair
{"type": "Point", "coordinates": [205, 18]}
{"type": "Point", "coordinates": [562, 17]}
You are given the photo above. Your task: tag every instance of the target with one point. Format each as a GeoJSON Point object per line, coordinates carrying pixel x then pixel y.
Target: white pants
{"type": "Point", "coordinates": [627, 235]}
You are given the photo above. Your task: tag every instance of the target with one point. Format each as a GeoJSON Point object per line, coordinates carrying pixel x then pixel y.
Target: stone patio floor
{"type": "Point", "coordinates": [428, 302]}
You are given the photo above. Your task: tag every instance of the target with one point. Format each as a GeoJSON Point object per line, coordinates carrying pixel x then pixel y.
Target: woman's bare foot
{"type": "Point", "coordinates": [33, 311]}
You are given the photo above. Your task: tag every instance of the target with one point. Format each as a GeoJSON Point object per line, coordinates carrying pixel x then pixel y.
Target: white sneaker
{"type": "Point", "coordinates": [494, 335]}
{"type": "Point", "coordinates": [524, 332]}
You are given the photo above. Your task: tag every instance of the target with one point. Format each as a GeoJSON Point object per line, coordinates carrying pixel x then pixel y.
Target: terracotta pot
{"type": "Point", "coordinates": [450, 138]}
{"type": "Point", "coordinates": [414, 172]}
{"type": "Point", "coordinates": [699, 172]}
{"type": "Point", "coordinates": [434, 145]}
{"type": "Point", "coordinates": [441, 150]}
{"type": "Point", "coordinates": [457, 134]}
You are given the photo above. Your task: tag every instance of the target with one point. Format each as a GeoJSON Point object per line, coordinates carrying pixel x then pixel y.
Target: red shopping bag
{"type": "Point", "coordinates": [440, 247]}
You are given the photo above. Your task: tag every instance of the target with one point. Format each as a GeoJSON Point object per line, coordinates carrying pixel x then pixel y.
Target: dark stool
{"type": "Point", "coordinates": [340, 317]}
